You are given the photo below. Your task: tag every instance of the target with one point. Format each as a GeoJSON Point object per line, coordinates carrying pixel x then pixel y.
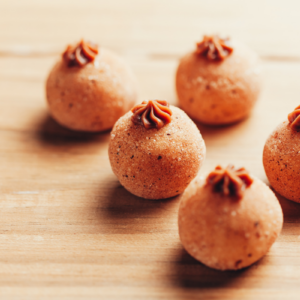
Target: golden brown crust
{"type": "Point", "coordinates": [219, 92]}
{"type": "Point", "coordinates": [92, 98]}
{"type": "Point", "coordinates": [214, 48]}
{"type": "Point", "coordinates": [156, 164]}
{"type": "Point", "coordinates": [225, 234]}
{"type": "Point", "coordinates": [152, 114]}
{"type": "Point", "coordinates": [281, 159]}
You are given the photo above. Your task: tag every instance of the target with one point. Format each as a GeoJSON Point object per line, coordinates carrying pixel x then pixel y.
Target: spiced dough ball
{"type": "Point", "coordinates": [281, 159]}
{"type": "Point", "coordinates": [218, 88]}
{"type": "Point", "coordinates": [90, 91]}
{"type": "Point", "coordinates": [224, 232]}
{"type": "Point", "coordinates": [156, 163]}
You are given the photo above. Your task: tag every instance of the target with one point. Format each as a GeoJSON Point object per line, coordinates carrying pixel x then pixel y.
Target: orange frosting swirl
{"type": "Point", "coordinates": [294, 118]}
{"type": "Point", "coordinates": [80, 54]}
{"type": "Point", "coordinates": [214, 47]}
{"type": "Point", "coordinates": [152, 114]}
{"type": "Point", "coordinates": [228, 181]}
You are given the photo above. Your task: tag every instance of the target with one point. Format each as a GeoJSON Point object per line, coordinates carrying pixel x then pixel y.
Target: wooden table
{"type": "Point", "coordinates": [68, 230]}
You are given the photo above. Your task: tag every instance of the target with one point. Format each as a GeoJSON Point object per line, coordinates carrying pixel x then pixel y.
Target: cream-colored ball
{"type": "Point", "coordinates": [92, 97]}
{"type": "Point", "coordinates": [156, 163]}
{"type": "Point", "coordinates": [219, 92]}
{"type": "Point", "coordinates": [226, 233]}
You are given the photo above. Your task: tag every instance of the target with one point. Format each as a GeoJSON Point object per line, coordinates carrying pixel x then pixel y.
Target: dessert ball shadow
{"type": "Point", "coordinates": [124, 212]}
{"type": "Point", "coordinates": [49, 132]}
{"type": "Point", "coordinates": [291, 209]}
{"type": "Point", "coordinates": [222, 130]}
{"type": "Point", "coordinates": [191, 274]}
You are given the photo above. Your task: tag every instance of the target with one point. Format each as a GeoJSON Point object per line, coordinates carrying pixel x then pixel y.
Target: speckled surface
{"type": "Point", "coordinates": [219, 92]}
{"type": "Point", "coordinates": [281, 159]}
{"type": "Point", "coordinates": [156, 164]}
{"type": "Point", "coordinates": [225, 233]}
{"type": "Point", "coordinates": [91, 98]}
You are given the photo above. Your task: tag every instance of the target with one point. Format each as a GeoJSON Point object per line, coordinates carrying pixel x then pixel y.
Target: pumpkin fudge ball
{"type": "Point", "coordinates": [281, 157]}
{"type": "Point", "coordinates": [219, 82]}
{"type": "Point", "coordinates": [230, 220]}
{"type": "Point", "coordinates": [156, 150]}
{"type": "Point", "coordinates": [89, 89]}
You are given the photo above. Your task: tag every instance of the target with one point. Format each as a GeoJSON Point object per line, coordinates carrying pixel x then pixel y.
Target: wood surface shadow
{"type": "Point", "coordinates": [291, 209]}
{"type": "Point", "coordinates": [224, 130]}
{"type": "Point", "coordinates": [191, 274]}
{"type": "Point", "coordinates": [50, 132]}
{"type": "Point", "coordinates": [124, 212]}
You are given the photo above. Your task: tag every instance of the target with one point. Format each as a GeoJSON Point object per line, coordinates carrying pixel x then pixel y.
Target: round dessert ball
{"type": "Point", "coordinates": [219, 83]}
{"type": "Point", "coordinates": [89, 89]}
{"type": "Point", "coordinates": [281, 159]}
{"type": "Point", "coordinates": [156, 150]}
{"type": "Point", "coordinates": [227, 225]}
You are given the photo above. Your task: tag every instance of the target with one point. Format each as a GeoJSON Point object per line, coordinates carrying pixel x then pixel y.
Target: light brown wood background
{"type": "Point", "coordinates": [68, 230]}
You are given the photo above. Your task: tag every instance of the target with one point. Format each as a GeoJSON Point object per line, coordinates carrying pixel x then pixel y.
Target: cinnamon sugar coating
{"type": "Point", "coordinates": [228, 181]}
{"type": "Point", "coordinates": [214, 48]}
{"type": "Point", "coordinates": [91, 98]}
{"type": "Point", "coordinates": [281, 159]}
{"type": "Point", "coordinates": [294, 118]}
{"type": "Point", "coordinates": [152, 114]}
{"type": "Point", "coordinates": [225, 234]}
{"type": "Point", "coordinates": [80, 54]}
{"type": "Point", "coordinates": [156, 163]}
{"type": "Point", "coordinates": [219, 92]}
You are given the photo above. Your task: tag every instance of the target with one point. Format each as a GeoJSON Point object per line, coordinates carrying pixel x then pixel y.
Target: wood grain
{"type": "Point", "coordinates": [68, 230]}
